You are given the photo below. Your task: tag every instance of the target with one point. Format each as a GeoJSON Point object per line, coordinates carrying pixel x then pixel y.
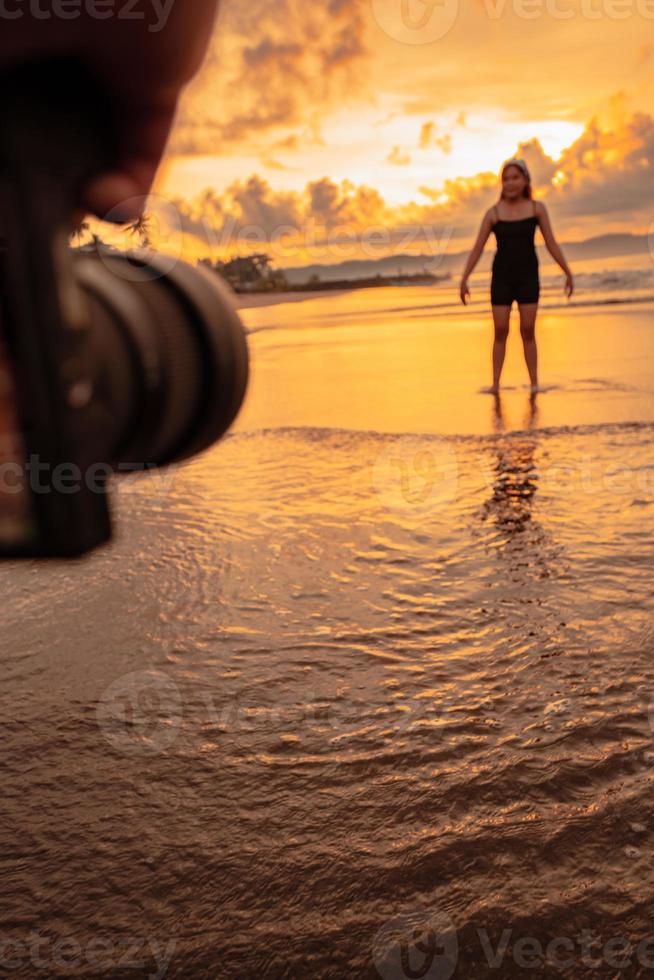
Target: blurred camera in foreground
{"type": "Point", "coordinates": [157, 373]}
{"type": "Point", "coordinates": [108, 361]}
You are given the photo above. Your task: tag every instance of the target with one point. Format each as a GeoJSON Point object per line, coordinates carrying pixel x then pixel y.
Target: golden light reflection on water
{"type": "Point", "coordinates": [516, 472]}
{"type": "Point", "coordinates": [359, 701]}
{"type": "Point", "coordinates": [388, 360]}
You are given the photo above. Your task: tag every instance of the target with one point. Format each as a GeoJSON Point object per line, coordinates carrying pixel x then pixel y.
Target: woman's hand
{"type": "Point", "coordinates": [464, 292]}
{"type": "Point", "coordinates": [569, 285]}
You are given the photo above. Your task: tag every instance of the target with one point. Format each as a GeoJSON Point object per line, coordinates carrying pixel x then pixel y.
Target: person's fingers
{"type": "Point", "coordinates": [119, 195]}
{"type": "Point", "coordinates": [114, 197]}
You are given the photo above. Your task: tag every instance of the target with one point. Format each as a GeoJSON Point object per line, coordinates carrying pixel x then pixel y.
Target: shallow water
{"type": "Point", "coordinates": [346, 702]}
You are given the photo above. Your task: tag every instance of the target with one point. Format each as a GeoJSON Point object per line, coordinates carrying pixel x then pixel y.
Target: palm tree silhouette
{"type": "Point", "coordinates": [81, 231]}
{"type": "Point", "coordinates": [141, 226]}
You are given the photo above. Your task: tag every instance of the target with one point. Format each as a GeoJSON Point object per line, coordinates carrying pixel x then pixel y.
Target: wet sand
{"type": "Point", "coordinates": [254, 300]}
{"type": "Point", "coordinates": [393, 360]}
{"type": "Point", "coordinates": [364, 691]}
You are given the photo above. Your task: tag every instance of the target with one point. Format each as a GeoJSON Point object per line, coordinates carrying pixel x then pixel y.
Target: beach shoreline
{"type": "Point", "coordinates": [385, 650]}
{"type": "Point", "coordinates": [369, 360]}
{"type": "Point", "coordinates": [246, 301]}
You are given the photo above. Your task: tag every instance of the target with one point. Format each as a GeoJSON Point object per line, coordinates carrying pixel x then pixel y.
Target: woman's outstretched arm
{"type": "Point", "coordinates": [553, 246]}
{"type": "Point", "coordinates": [484, 231]}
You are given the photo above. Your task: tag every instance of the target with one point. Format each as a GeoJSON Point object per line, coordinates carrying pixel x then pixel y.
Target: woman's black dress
{"type": "Point", "coordinates": [515, 265]}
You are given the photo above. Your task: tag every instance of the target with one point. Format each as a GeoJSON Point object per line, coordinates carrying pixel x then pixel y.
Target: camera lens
{"type": "Point", "coordinates": [168, 359]}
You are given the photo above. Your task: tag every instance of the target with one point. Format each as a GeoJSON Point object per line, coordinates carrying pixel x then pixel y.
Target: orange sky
{"type": "Point", "coordinates": [352, 128]}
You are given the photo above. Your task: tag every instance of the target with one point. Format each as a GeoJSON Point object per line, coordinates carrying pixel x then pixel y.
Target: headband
{"type": "Point", "coordinates": [518, 162]}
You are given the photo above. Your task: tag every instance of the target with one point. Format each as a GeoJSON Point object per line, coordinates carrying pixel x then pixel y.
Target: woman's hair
{"type": "Point", "coordinates": [521, 165]}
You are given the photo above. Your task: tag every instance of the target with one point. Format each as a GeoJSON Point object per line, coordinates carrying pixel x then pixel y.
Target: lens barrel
{"type": "Point", "coordinates": [168, 359]}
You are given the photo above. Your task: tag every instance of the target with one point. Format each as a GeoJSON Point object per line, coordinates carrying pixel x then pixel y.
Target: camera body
{"type": "Point", "coordinates": [107, 361]}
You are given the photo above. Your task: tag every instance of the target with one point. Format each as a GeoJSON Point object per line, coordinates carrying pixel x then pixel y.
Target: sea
{"type": "Point", "coordinates": [367, 689]}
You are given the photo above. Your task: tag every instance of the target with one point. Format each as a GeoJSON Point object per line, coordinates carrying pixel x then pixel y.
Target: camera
{"type": "Point", "coordinates": [109, 362]}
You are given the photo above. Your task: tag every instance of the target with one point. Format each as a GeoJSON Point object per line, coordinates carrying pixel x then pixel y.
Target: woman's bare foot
{"type": "Point", "coordinates": [491, 390]}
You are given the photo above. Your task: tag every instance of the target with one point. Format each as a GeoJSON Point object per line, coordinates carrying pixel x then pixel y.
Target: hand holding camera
{"type": "Point", "coordinates": [108, 361]}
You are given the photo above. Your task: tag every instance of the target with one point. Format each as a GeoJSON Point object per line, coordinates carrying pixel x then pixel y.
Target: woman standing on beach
{"type": "Point", "coordinates": [515, 267]}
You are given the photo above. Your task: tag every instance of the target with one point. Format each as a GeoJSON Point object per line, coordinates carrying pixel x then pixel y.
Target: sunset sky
{"type": "Point", "coordinates": [315, 121]}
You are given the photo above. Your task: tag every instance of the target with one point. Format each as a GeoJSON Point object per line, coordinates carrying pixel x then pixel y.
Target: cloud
{"type": "Point", "coordinates": [429, 137]}
{"type": "Point", "coordinates": [252, 215]}
{"type": "Point", "coordinates": [272, 66]}
{"type": "Point", "coordinates": [541, 167]}
{"type": "Point", "coordinates": [398, 157]}
{"type": "Point", "coordinates": [607, 173]}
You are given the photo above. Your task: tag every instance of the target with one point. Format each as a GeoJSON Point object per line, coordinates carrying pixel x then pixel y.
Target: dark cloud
{"type": "Point", "coordinates": [609, 172]}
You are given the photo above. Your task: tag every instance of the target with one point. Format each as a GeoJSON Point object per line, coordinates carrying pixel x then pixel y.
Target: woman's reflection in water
{"type": "Point", "coordinates": [515, 475]}
{"type": "Point", "coordinates": [524, 552]}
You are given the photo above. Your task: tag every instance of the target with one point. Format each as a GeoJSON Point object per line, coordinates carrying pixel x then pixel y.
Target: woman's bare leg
{"type": "Point", "coordinates": [528, 313]}
{"type": "Point", "coordinates": [501, 316]}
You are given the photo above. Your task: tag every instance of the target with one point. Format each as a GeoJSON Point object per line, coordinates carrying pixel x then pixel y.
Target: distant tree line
{"type": "Point", "coordinates": [250, 273]}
